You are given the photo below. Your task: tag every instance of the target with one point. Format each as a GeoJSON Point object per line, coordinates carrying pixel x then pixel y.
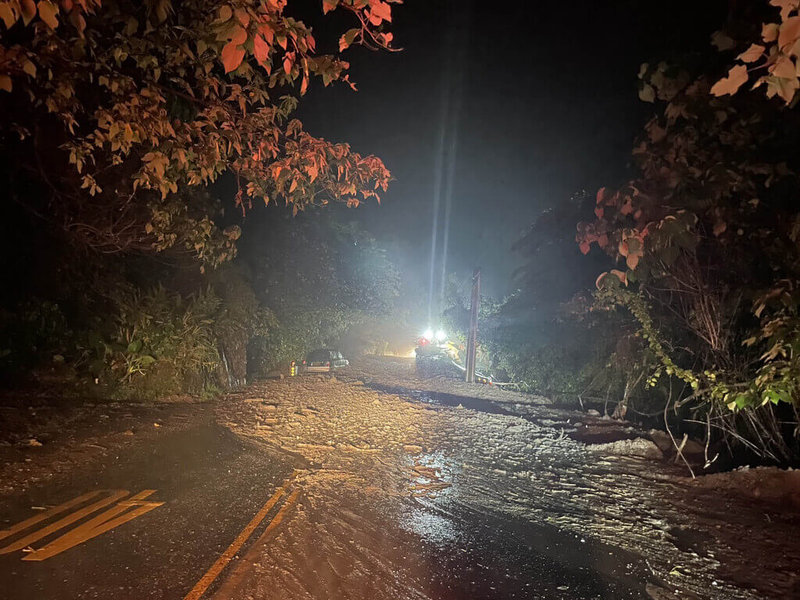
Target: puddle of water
{"type": "Point", "coordinates": [432, 475]}
{"type": "Point", "coordinates": [480, 554]}
{"type": "Point", "coordinates": [431, 479]}
{"type": "Point", "coordinates": [431, 527]}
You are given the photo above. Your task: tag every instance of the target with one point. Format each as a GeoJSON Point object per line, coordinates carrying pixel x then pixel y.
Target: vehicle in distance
{"type": "Point", "coordinates": [324, 360]}
{"type": "Point", "coordinates": [436, 356]}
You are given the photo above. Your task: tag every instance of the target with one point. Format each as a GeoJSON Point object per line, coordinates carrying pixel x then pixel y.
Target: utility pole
{"type": "Point", "coordinates": [472, 338]}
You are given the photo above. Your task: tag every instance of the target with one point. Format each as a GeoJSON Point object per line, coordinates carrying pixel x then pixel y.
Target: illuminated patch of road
{"type": "Point", "coordinates": [431, 474]}
{"type": "Point", "coordinates": [431, 483]}
{"type": "Point", "coordinates": [121, 512]}
{"type": "Point", "coordinates": [214, 571]}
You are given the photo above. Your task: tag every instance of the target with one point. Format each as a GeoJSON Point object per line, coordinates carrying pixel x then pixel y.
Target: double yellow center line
{"type": "Point", "coordinates": [208, 578]}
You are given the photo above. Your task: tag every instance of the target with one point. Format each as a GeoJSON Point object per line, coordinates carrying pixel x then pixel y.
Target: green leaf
{"type": "Point", "coordinates": [348, 38]}
{"type": "Point", "coordinates": [742, 400]}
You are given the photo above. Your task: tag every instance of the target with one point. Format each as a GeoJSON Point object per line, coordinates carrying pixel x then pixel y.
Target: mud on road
{"type": "Point", "coordinates": [404, 497]}
{"type": "Point", "coordinates": [375, 484]}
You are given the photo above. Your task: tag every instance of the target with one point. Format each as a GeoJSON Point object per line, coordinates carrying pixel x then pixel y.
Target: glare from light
{"type": "Point", "coordinates": [428, 335]}
{"type": "Point", "coordinates": [441, 336]}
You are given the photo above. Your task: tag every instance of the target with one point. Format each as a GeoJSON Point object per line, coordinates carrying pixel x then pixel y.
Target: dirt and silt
{"type": "Point", "coordinates": [403, 498]}
{"type": "Point", "coordinates": [430, 488]}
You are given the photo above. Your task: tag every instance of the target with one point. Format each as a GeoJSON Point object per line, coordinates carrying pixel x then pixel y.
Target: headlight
{"type": "Point", "coordinates": [441, 336]}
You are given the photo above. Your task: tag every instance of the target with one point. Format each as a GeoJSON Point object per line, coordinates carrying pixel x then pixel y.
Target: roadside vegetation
{"type": "Point", "coordinates": [144, 144]}
{"type": "Point", "coordinates": [146, 329]}
{"type": "Point", "coordinates": [679, 299]}
{"type": "Point", "coordinates": [138, 140]}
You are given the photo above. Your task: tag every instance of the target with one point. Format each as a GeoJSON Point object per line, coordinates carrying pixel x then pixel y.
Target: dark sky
{"type": "Point", "coordinates": [538, 99]}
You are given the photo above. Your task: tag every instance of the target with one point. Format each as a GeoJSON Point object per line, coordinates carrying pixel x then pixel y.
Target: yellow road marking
{"type": "Point", "coordinates": [22, 526]}
{"type": "Point", "coordinates": [98, 525]}
{"type": "Point", "coordinates": [68, 520]}
{"type": "Point", "coordinates": [281, 513]}
{"type": "Point", "coordinates": [206, 580]}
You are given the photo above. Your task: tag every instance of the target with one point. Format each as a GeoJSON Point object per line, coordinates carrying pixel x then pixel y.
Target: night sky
{"type": "Point", "coordinates": [519, 104]}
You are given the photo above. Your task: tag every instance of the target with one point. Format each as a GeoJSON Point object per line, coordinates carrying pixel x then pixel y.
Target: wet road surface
{"type": "Point", "coordinates": [210, 482]}
{"type": "Point", "coordinates": [380, 486]}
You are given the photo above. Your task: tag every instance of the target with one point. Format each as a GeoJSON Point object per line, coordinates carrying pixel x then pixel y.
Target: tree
{"type": "Point", "coordinates": [321, 278]}
{"type": "Point", "coordinates": [123, 111]}
{"type": "Point", "coordinates": [707, 237]}
{"type": "Point", "coordinates": [543, 336]}
{"type": "Point", "coordinates": [774, 59]}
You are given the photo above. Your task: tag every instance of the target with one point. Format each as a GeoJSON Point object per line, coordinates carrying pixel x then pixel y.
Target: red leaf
{"type": "Point", "coordinates": [312, 172]}
{"type": "Point", "coordinates": [243, 17]}
{"type": "Point", "coordinates": [379, 12]}
{"type": "Point", "coordinates": [28, 10]}
{"type": "Point", "coordinates": [600, 194]}
{"type": "Point", "coordinates": [239, 36]}
{"type": "Point", "coordinates": [790, 31]}
{"type": "Point", "coordinates": [786, 6]}
{"type": "Point", "coordinates": [784, 67]}
{"type": "Point", "coordinates": [232, 56]}
{"type": "Point", "coordinates": [752, 54]}
{"type": "Point", "coordinates": [585, 247]}
{"type": "Point", "coordinates": [598, 212]}
{"type": "Point", "coordinates": [266, 30]}
{"type": "Point", "coordinates": [769, 32]}
{"type": "Point", "coordinates": [8, 16]}
{"type": "Point", "coordinates": [737, 76]}
{"type": "Point", "coordinates": [77, 21]}
{"type": "Point", "coordinates": [329, 5]}
{"type": "Point", "coordinates": [47, 12]}
{"type": "Point", "coordinates": [260, 49]}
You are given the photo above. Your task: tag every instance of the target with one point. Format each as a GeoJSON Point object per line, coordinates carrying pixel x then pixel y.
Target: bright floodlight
{"type": "Point", "coordinates": [428, 335]}
{"type": "Point", "coordinates": [441, 336]}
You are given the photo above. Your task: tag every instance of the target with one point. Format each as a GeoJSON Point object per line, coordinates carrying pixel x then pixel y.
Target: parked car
{"type": "Point", "coordinates": [324, 360]}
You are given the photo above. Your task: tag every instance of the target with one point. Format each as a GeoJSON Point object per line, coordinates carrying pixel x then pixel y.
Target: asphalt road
{"type": "Point", "coordinates": [196, 491]}
{"type": "Point", "coordinates": [211, 484]}
{"type": "Point", "coordinates": [501, 557]}
{"type": "Point", "coordinates": [361, 489]}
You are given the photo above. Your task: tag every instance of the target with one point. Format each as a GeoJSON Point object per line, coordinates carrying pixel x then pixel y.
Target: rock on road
{"type": "Point", "coordinates": [375, 484]}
